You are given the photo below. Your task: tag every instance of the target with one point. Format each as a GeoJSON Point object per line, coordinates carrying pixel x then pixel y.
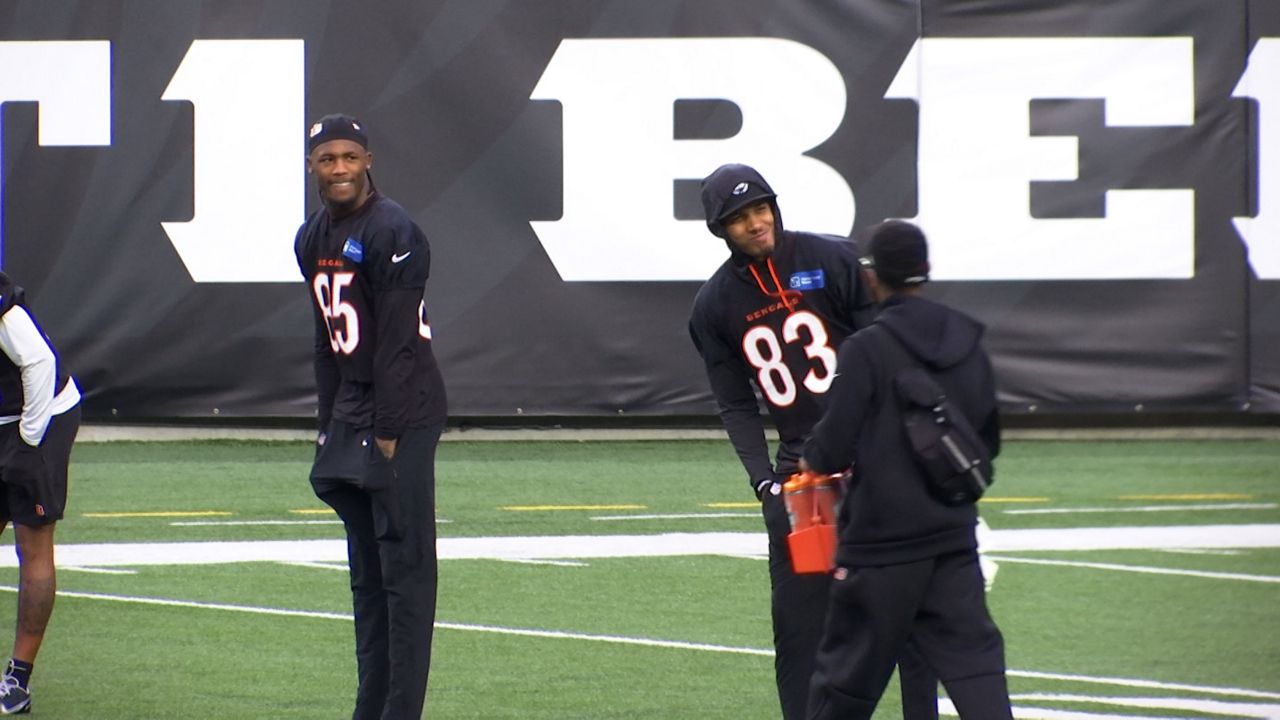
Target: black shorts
{"type": "Point", "coordinates": [39, 498]}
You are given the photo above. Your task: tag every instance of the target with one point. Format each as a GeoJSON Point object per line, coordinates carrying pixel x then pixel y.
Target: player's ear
{"type": "Point", "coordinates": [309, 165]}
{"type": "Point", "coordinates": [368, 160]}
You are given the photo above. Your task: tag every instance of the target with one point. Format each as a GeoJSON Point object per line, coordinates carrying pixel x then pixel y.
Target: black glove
{"type": "Point", "coordinates": [769, 486]}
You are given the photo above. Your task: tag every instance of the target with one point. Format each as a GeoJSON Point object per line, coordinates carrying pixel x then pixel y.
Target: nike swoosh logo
{"type": "Point", "coordinates": [398, 258]}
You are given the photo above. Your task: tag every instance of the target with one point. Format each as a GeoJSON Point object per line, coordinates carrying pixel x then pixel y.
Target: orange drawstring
{"type": "Point", "coordinates": [789, 298]}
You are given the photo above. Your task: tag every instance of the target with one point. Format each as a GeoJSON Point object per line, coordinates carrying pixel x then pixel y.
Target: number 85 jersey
{"type": "Point", "coordinates": [776, 324]}
{"type": "Point", "coordinates": [367, 273]}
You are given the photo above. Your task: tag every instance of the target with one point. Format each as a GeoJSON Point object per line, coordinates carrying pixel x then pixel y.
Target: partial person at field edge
{"type": "Point", "coordinates": [39, 419]}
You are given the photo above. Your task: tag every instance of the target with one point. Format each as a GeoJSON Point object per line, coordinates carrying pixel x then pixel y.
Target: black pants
{"type": "Point", "coordinates": [389, 514]}
{"type": "Point", "coordinates": [940, 605]}
{"type": "Point", "coordinates": [799, 614]}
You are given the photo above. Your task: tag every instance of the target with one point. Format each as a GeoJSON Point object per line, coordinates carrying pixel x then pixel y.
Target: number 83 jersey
{"type": "Point", "coordinates": [776, 324]}
{"type": "Point", "coordinates": [367, 273]}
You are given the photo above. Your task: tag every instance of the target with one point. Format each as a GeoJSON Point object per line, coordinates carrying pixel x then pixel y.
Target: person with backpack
{"type": "Point", "coordinates": [907, 563]}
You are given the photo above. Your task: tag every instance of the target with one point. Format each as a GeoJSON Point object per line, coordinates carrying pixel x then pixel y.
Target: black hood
{"type": "Point", "coordinates": [937, 335]}
{"type": "Point", "coordinates": [731, 188]}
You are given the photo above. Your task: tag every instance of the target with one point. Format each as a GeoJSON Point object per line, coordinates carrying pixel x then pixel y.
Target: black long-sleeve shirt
{"type": "Point", "coordinates": [367, 273]}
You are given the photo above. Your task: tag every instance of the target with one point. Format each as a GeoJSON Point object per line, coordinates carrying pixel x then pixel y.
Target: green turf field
{"type": "Point", "coordinates": [1181, 632]}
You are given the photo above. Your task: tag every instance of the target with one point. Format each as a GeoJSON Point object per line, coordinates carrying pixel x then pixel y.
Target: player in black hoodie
{"type": "Point", "coordinates": [772, 316]}
{"type": "Point", "coordinates": [907, 563]}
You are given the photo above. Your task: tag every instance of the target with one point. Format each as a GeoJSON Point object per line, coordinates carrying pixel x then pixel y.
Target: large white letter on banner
{"type": "Point", "coordinates": [249, 181]}
{"type": "Point", "coordinates": [977, 156]}
{"type": "Point", "coordinates": [621, 159]}
{"type": "Point", "coordinates": [70, 80]}
{"type": "Point", "coordinates": [1261, 234]}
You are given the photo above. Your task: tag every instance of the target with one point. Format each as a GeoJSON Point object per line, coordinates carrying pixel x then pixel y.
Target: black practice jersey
{"type": "Point", "coordinates": [366, 274]}
{"type": "Point", "coordinates": [777, 324]}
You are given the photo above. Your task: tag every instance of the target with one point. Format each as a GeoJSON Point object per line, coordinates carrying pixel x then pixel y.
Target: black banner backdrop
{"type": "Point", "coordinates": [1090, 174]}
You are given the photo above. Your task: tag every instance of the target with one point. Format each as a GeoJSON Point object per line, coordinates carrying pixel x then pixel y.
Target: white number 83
{"type": "Point", "coordinates": [763, 350]}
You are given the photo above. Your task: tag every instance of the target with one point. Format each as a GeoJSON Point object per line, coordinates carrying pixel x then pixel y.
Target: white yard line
{"type": "Point", "coordinates": [1201, 551]}
{"type": "Point", "coordinates": [1138, 569]}
{"type": "Point", "coordinates": [585, 547]}
{"type": "Point", "coordinates": [100, 571]}
{"type": "Point", "coordinates": [1148, 684]}
{"type": "Point", "coordinates": [679, 645]}
{"type": "Point", "coordinates": [1140, 508]}
{"type": "Point", "coordinates": [1212, 707]}
{"type": "Point", "coordinates": [320, 565]}
{"type": "Point", "coordinates": [1205, 537]}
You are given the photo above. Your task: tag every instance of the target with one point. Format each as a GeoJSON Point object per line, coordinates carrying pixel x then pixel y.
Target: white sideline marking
{"type": "Point", "coordinates": [558, 563]}
{"type": "Point", "coordinates": [946, 708]}
{"type": "Point", "coordinates": [1142, 508]}
{"type": "Point", "coordinates": [650, 642]}
{"type": "Point", "coordinates": [1189, 551]}
{"type": "Point", "coordinates": [1137, 538]}
{"type": "Point", "coordinates": [320, 565]}
{"type": "Point", "coordinates": [1140, 569]}
{"type": "Point", "coordinates": [99, 571]}
{"type": "Point", "coordinates": [1213, 707]}
{"type": "Point", "coordinates": [1147, 684]}
{"type": "Point", "coordinates": [583, 547]}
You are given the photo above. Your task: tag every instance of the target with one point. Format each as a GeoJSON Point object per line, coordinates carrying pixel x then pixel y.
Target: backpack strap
{"type": "Point", "coordinates": [900, 357]}
{"type": "Point", "coordinates": [913, 383]}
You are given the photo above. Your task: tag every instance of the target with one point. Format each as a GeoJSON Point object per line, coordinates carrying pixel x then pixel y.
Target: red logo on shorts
{"type": "Point", "coordinates": [39, 509]}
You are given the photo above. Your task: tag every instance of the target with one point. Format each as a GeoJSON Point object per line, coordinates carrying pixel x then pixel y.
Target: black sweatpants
{"type": "Point", "coordinates": [799, 613]}
{"type": "Point", "coordinates": [388, 509]}
{"type": "Point", "coordinates": [940, 605]}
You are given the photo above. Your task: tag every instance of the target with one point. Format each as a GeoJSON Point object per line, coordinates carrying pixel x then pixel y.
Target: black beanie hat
{"type": "Point", "coordinates": [336, 127]}
{"type": "Point", "coordinates": [899, 254]}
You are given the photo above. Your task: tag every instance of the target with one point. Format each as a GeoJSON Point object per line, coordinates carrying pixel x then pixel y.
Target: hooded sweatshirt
{"type": "Point", "coordinates": [773, 325]}
{"type": "Point", "coordinates": [888, 515]}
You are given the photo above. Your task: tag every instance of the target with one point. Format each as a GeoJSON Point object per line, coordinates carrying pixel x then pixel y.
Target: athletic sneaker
{"type": "Point", "coordinates": [14, 699]}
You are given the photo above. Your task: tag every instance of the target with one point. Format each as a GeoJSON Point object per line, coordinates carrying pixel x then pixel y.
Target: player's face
{"type": "Point", "coordinates": [751, 229]}
{"type": "Point", "coordinates": [340, 167]}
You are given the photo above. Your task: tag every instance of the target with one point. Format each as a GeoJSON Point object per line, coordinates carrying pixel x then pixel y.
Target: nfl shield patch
{"type": "Point", "coordinates": [808, 280]}
{"type": "Point", "coordinates": [353, 250]}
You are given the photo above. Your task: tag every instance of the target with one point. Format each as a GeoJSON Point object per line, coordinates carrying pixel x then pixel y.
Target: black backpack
{"type": "Point", "coordinates": [953, 457]}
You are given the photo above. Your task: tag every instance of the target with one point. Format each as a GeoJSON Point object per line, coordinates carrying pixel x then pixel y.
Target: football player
{"type": "Point", "coordinates": [381, 411]}
{"type": "Point", "coordinates": [39, 419]}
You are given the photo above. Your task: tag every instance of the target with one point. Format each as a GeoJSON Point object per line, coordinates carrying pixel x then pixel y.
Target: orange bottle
{"type": "Point", "coordinates": [825, 491]}
{"type": "Point", "coordinates": [797, 494]}
{"type": "Point", "coordinates": [812, 540]}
